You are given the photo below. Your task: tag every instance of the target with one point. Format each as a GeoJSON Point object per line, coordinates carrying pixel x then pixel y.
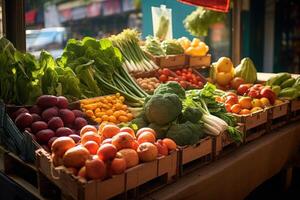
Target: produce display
{"type": "Point", "coordinates": [108, 151]}
{"type": "Point", "coordinates": [187, 78]}
{"type": "Point", "coordinates": [49, 119]}
{"type": "Point", "coordinates": [285, 86]}
{"type": "Point", "coordinates": [110, 108]}
{"type": "Point", "coordinates": [194, 48]}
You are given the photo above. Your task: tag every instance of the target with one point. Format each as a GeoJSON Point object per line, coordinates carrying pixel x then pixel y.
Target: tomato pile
{"type": "Point", "coordinates": [185, 77]}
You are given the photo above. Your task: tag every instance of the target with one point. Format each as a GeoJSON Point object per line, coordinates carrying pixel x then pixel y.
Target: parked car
{"type": "Point", "coordinates": [52, 40]}
{"type": "Point", "coordinates": [31, 36]}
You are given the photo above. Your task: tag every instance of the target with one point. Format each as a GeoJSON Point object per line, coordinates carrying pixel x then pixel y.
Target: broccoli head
{"type": "Point", "coordinates": [192, 114]}
{"type": "Point", "coordinates": [187, 133]}
{"type": "Point", "coordinates": [163, 108]}
{"type": "Point", "coordinates": [170, 87]}
{"type": "Point", "coordinates": [160, 130]}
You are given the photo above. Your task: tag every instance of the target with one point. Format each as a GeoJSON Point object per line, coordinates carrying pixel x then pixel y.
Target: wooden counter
{"type": "Point", "coordinates": [237, 174]}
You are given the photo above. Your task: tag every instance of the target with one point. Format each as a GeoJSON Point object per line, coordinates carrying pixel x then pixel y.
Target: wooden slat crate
{"type": "Point", "coordinates": [74, 188]}
{"type": "Point", "coordinates": [199, 61]}
{"type": "Point", "coordinates": [26, 175]}
{"type": "Point", "coordinates": [255, 124]}
{"type": "Point", "coordinates": [171, 61]}
{"type": "Point", "coordinates": [278, 115]}
{"type": "Point", "coordinates": [193, 156]}
{"type": "Point", "coordinates": [295, 109]}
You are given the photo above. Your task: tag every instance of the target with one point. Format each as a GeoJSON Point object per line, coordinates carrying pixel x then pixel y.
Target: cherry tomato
{"type": "Point", "coordinates": [190, 69]}
{"type": "Point", "coordinates": [176, 79]}
{"type": "Point", "coordinates": [189, 75]}
{"type": "Point", "coordinates": [178, 72]}
{"type": "Point", "coordinates": [171, 78]}
{"type": "Point", "coordinates": [184, 70]}
{"type": "Point", "coordinates": [166, 71]}
{"type": "Point", "coordinates": [198, 78]}
{"type": "Point", "coordinates": [183, 84]}
{"type": "Point", "coordinates": [200, 84]}
{"type": "Point", "coordinates": [184, 78]}
{"type": "Point", "coordinates": [163, 78]}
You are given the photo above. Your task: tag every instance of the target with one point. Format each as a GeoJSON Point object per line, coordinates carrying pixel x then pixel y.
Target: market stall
{"type": "Point", "coordinates": [126, 117]}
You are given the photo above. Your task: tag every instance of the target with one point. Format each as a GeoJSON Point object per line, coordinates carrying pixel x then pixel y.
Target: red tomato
{"type": "Point", "coordinates": [198, 78]}
{"type": "Point", "coordinates": [200, 84]}
{"type": "Point", "coordinates": [176, 79]}
{"type": "Point", "coordinates": [183, 84]}
{"type": "Point", "coordinates": [171, 78]}
{"type": "Point", "coordinates": [166, 72]}
{"type": "Point", "coordinates": [183, 74]}
{"type": "Point", "coordinates": [178, 72]}
{"type": "Point", "coordinates": [184, 70]}
{"type": "Point", "coordinates": [189, 75]}
{"type": "Point", "coordinates": [190, 69]}
{"type": "Point", "coordinates": [163, 78]}
{"type": "Point", "coordinates": [183, 77]}
{"type": "Point", "coordinates": [243, 88]}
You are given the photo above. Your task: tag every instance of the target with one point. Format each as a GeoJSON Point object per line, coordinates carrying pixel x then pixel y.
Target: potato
{"type": "Point", "coordinates": [35, 117]}
{"type": "Point", "coordinates": [55, 123]}
{"type": "Point", "coordinates": [61, 145]}
{"type": "Point", "coordinates": [79, 122]}
{"type": "Point", "coordinates": [35, 109]}
{"type": "Point", "coordinates": [78, 113]}
{"type": "Point", "coordinates": [23, 120]}
{"type": "Point", "coordinates": [66, 115]}
{"type": "Point", "coordinates": [63, 131]}
{"type": "Point", "coordinates": [75, 137]}
{"type": "Point", "coordinates": [62, 102]}
{"type": "Point", "coordinates": [75, 157]}
{"type": "Point", "coordinates": [46, 101]}
{"type": "Point", "coordinates": [14, 115]}
{"type": "Point", "coordinates": [38, 125]}
{"type": "Point", "coordinates": [43, 136]}
{"type": "Point", "coordinates": [49, 113]}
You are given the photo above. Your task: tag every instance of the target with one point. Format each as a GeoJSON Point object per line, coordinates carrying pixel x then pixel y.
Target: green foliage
{"type": "Point", "coordinates": [172, 47]}
{"type": "Point", "coordinates": [198, 22]}
{"type": "Point", "coordinates": [171, 87]}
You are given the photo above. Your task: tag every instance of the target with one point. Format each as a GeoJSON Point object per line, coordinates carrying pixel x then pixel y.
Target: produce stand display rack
{"type": "Point", "coordinates": [278, 116]}
{"type": "Point", "coordinates": [295, 109]}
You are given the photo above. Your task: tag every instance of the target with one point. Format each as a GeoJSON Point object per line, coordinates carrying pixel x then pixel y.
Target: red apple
{"type": "Point", "coordinates": [147, 152]}
{"type": "Point", "coordinates": [107, 152]}
{"type": "Point", "coordinates": [162, 148]}
{"type": "Point", "coordinates": [95, 169]}
{"type": "Point", "coordinates": [243, 88]}
{"type": "Point", "coordinates": [118, 164]}
{"type": "Point", "coordinates": [269, 94]}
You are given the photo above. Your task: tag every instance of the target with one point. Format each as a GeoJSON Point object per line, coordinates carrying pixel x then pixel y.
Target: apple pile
{"type": "Point", "coordinates": [49, 119]}
{"type": "Point", "coordinates": [108, 150]}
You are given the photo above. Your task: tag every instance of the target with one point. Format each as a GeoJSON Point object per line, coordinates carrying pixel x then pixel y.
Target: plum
{"type": "Point", "coordinates": [15, 114]}
{"type": "Point", "coordinates": [62, 102]}
{"type": "Point", "coordinates": [36, 117]}
{"type": "Point", "coordinates": [23, 120]}
{"type": "Point", "coordinates": [46, 101]}
{"type": "Point", "coordinates": [28, 129]}
{"type": "Point", "coordinates": [35, 109]}
{"type": "Point", "coordinates": [76, 138]}
{"type": "Point", "coordinates": [79, 122]}
{"type": "Point", "coordinates": [78, 113]}
{"type": "Point", "coordinates": [55, 123]}
{"type": "Point", "coordinates": [49, 113]}
{"type": "Point", "coordinates": [38, 125]}
{"type": "Point", "coordinates": [63, 131]}
{"type": "Point", "coordinates": [51, 141]}
{"type": "Point", "coordinates": [66, 115]}
{"type": "Point", "coordinates": [43, 136]}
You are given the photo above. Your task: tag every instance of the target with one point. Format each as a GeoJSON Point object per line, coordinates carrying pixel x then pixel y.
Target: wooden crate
{"type": "Point", "coordinates": [171, 61]}
{"type": "Point", "coordinates": [26, 175]}
{"type": "Point", "coordinates": [294, 109]}
{"type": "Point", "coordinates": [73, 188]}
{"type": "Point", "coordinates": [199, 61]}
{"type": "Point", "coordinates": [193, 156]}
{"type": "Point", "coordinates": [278, 115]}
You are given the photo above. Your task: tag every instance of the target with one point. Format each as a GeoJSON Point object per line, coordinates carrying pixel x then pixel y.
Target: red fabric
{"type": "Point", "coordinates": [30, 16]}
{"type": "Point", "coordinates": [217, 5]}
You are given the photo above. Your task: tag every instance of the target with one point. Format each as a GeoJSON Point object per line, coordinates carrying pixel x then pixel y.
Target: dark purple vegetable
{"type": "Point", "coordinates": [36, 117]}
{"type": "Point", "coordinates": [44, 136]}
{"type": "Point", "coordinates": [62, 102]}
{"type": "Point", "coordinates": [66, 115]}
{"type": "Point", "coordinates": [49, 113]}
{"type": "Point", "coordinates": [35, 109]}
{"type": "Point", "coordinates": [23, 120]}
{"type": "Point", "coordinates": [76, 138]}
{"type": "Point", "coordinates": [46, 101]}
{"type": "Point", "coordinates": [78, 113]}
{"type": "Point", "coordinates": [51, 141]}
{"type": "Point", "coordinates": [15, 114]}
{"type": "Point", "coordinates": [79, 122]}
{"type": "Point", "coordinates": [55, 123]}
{"type": "Point", "coordinates": [37, 126]}
{"type": "Point", "coordinates": [63, 131]}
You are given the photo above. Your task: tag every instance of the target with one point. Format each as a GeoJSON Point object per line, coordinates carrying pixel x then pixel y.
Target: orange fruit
{"type": "Point", "coordinates": [245, 102]}
{"type": "Point", "coordinates": [236, 108]}
{"type": "Point", "coordinates": [244, 112]}
{"type": "Point", "coordinates": [92, 147]}
{"type": "Point", "coordinates": [87, 128]}
{"type": "Point", "coordinates": [170, 143]}
{"type": "Point", "coordinates": [146, 137]}
{"type": "Point", "coordinates": [108, 131]}
{"type": "Point", "coordinates": [90, 136]}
